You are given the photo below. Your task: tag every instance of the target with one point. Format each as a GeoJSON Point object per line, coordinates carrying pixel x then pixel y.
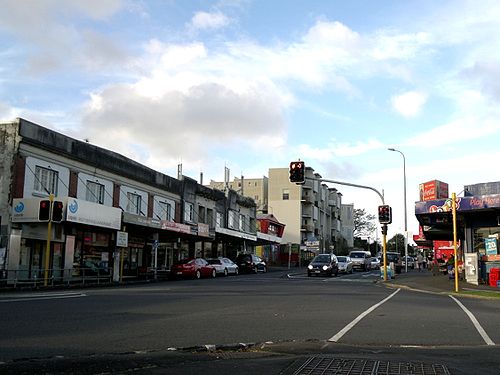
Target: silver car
{"type": "Point", "coordinates": [345, 264]}
{"type": "Point", "coordinates": [360, 259]}
{"type": "Point", "coordinates": [224, 266]}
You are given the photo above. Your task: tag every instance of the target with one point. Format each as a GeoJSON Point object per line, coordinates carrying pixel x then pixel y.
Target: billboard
{"type": "Point", "coordinates": [432, 190]}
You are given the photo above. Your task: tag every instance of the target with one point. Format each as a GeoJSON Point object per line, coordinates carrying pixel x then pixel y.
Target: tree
{"type": "Point", "coordinates": [397, 243]}
{"type": "Point", "coordinates": [363, 223]}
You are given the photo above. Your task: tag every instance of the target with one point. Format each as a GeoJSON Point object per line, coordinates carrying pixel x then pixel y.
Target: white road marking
{"type": "Point", "coordinates": [44, 297]}
{"type": "Point", "coordinates": [478, 326]}
{"type": "Point", "coordinates": [348, 327]}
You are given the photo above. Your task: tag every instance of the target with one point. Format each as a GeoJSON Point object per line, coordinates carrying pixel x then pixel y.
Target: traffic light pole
{"type": "Point", "coordinates": [384, 227]}
{"type": "Point", "coordinates": [47, 245]}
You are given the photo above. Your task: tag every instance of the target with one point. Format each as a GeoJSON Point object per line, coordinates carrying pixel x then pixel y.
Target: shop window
{"type": "Point", "coordinates": [95, 192]}
{"type": "Point", "coordinates": [133, 203]}
{"type": "Point", "coordinates": [45, 180]}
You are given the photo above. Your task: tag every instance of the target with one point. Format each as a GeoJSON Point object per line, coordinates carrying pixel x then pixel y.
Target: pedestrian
{"type": "Point", "coordinates": [420, 260]}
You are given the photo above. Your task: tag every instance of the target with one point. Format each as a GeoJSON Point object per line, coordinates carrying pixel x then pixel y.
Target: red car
{"type": "Point", "coordinates": [196, 268]}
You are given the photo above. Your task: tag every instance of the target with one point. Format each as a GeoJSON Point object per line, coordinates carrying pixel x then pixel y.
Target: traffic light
{"type": "Point", "coordinates": [297, 172]}
{"type": "Point", "coordinates": [57, 211]}
{"type": "Point", "coordinates": [385, 214]}
{"type": "Point", "coordinates": [44, 210]}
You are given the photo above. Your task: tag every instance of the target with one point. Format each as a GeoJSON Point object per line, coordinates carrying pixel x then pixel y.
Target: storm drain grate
{"type": "Point", "coordinates": [339, 366]}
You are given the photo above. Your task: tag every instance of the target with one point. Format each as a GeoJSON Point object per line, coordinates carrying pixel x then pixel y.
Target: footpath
{"type": "Point", "coordinates": [426, 281]}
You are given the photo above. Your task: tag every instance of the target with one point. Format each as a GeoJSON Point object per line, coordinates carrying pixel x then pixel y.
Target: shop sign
{"type": "Point", "coordinates": [175, 227]}
{"type": "Point", "coordinates": [203, 230]}
{"type": "Point", "coordinates": [25, 210]}
{"type": "Point", "coordinates": [141, 220]}
{"type": "Point", "coordinates": [80, 211]}
{"type": "Point", "coordinates": [121, 239]}
{"type": "Point", "coordinates": [463, 204]}
{"type": "Point", "coordinates": [235, 233]}
{"type": "Point", "coordinates": [490, 245]}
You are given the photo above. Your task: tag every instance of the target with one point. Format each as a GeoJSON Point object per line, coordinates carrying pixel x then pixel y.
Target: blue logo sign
{"type": "Point", "coordinates": [73, 207]}
{"type": "Point", "coordinates": [19, 207]}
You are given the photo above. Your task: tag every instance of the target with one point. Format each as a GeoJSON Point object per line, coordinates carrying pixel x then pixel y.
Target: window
{"type": "Point", "coordinates": [232, 220]}
{"type": "Point", "coordinates": [165, 211]}
{"type": "Point", "coordinates": [286, 194]}
{"type": "Point", "coordinates": [242, 223]}
{"type": "Point", "coordinates": [219, 221]}
{"type": "Point", "coordinates": [95, 192]}
{"type": "Point", "coordinates": [210, 218]}
{"type": "Point", "coordinates": [133, 203]}
{"type": "Point", "coordinates": [188, 212]}
{"type": "Point", "coordinates": [201, 214]}
{"type": "Point", "coordinates": [45, 180]}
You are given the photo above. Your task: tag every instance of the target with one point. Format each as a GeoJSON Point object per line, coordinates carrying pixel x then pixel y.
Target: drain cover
{"type": "Point", "coordinates": [340, 366]}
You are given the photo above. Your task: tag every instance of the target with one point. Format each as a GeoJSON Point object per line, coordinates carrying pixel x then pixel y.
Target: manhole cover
{"type": "Point", "coordinates": [340, 366]}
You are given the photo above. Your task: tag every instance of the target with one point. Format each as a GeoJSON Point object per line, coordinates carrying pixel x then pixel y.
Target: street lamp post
{"type": "Point", "coordinates": [406, 216]}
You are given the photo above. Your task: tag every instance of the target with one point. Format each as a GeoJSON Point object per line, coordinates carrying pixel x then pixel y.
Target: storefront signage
{"type": "Point", "coordinates": [80, 211]}
{"type": "Point", "coordinates": [490, 245]}
{"type": "Point", "coordinates": [463, 204]}
{"type": "Point", "coordinates": [175, 227]}
{"type": "Point", "coordinates": [237, 234]}
{"type": "Point", "coordinates": [121, 239]}
{"type": "Point", "coordinates": [25, 210]}
{"type": "Point", "coordinates": [203, 230]}
{"type": "Point", "coordinates": [141, 220]}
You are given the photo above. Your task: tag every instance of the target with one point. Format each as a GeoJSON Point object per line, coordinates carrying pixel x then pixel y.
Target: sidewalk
{"type": "Point", "coordinates": [427, 282]}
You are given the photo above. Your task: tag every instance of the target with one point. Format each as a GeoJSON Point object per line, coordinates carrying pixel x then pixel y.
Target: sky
{"type": "Point", "coordinates": [254, 84]}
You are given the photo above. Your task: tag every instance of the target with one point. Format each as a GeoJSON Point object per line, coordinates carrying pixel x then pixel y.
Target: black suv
{"type": "Point", "coordinates": [323, 264]}
{"type": "Point", "coordinates": [251, 263]}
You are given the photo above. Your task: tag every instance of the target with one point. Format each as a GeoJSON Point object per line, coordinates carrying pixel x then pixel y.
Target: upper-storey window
{"type": "Point", "coordinates": [188, 212]}
{"type": "Point", "coordinates": [45, 180]}
{"type": "Point", "coordinates": [133, 203]}
{"type": "Point", "coordinates": [165, 210]}
{"type": "Point", "coordinates": [94, 192]}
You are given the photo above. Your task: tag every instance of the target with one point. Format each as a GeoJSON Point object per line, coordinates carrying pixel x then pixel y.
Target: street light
{"type": "Point", "coordinates": [406, 219]}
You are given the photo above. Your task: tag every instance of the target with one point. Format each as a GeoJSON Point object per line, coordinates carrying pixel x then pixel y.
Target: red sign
{"type": "Point", "coordinates": [433, 190]}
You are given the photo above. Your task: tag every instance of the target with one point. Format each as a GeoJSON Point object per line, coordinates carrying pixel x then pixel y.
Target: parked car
{"type": "Point", "coordinates": [360, 259]}
{"type": "Point", "coordinates": [196, 268]}
{"type": "Point", "coordinates": [251, 263]}
{"type": "Point", "coordinates": [224, 266]}
{"type": "Point", "coordinates": [345, 264]}
{"type": "Point", "coordinates": [323, 264]}
{"type": "Point", "coordinates": [410, 261]}
{"type": "Point", "coordinates": [374, 263]}
{"type": "Point", "coordinates": [396, 259]}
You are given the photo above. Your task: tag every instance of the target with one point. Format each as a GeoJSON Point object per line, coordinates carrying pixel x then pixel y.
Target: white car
{"type": "Point", "coordinates": [375, 263]}
{"type": "Point", "coordinates": [345, 264]}
{"type": "Point", "coordinates": [224, 266]}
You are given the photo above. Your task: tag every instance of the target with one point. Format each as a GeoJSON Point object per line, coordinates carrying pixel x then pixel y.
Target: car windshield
{"type": "Point", "coordinates": [357, 255]}
{"type": "Point", "coordinates": [322, 259]}
{"type": "Point", "coordinates": [342, 259]}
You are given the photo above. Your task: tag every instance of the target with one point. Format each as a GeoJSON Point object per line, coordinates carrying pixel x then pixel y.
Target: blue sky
{"type": "Point", "coordinates": [255, 84]}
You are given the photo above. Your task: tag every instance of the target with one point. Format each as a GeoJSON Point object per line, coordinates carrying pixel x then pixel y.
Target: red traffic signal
{"type": "Point", "coordinates": [57, 211]}
{"type": "Point", "coordinates": [44, 210]}
{"type": "Point", "coordinates": [297, 172]}
{"type": "Point", "coordinates": [385, 214]}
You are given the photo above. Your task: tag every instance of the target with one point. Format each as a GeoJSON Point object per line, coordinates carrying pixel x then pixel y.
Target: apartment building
{"type": "Point", "coordinates": [255, 188]}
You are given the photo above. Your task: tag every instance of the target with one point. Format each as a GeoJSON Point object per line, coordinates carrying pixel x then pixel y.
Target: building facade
{"type": "Point", "coordinates": [119, 217]}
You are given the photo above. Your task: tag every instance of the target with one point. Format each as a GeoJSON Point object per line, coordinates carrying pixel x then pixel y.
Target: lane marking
{"type": "Point", "coordinates": [476, 323]}
{"type": "Point", "coordinates": [44, 297]}
{"type": "Point", "coordinates": [348, 327]}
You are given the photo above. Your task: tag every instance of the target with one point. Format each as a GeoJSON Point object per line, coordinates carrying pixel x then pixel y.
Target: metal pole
{"type": "Point", "coordinates": [454, 211]}
{"type": "Point", "coordinates": [47, 245]}
{"type": "Point", "coordinates": [406, 215]}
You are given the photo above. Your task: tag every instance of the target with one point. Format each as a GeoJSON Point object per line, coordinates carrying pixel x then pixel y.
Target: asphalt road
{"type": "Point", "coordinates": [350, 311]}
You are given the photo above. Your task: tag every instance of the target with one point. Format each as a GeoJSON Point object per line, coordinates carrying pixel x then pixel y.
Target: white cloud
{"type": "Point", "coordinates": [205, 20]}
{"type": "Point", "coordinates": [410, 103]}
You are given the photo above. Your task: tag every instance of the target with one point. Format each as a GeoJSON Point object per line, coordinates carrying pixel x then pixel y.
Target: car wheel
{"type": "Point", "coordinates": [214, 273]}
{"type": "Point", "coordinates": [225, 271]}
{"type": "Point", "coordinates": [264, 269]}
{"type": "Point", "coordinates": [255, 270]}
{"type": "Point", "coordinates": [236, 271]}
{"type": "Point", "coordinates": [198, 274]}
{"type": "Point", "coordinates": [350, 271]}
